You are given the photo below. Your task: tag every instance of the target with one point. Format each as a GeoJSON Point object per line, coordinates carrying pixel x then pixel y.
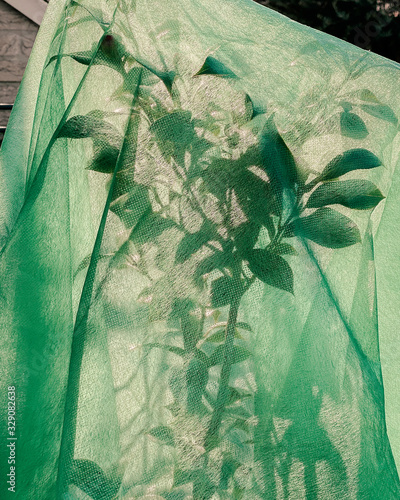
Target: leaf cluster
{"type": "Point", "coordinates": [223, 188]}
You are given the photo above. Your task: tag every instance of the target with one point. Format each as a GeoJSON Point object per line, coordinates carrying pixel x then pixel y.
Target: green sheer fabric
{"type": "Point", "coordinates": [199, 259]}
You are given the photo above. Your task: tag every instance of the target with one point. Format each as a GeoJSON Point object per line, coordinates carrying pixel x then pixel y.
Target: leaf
{"type": "Point", "coordinates": [171, 348]}
{"type": "Point", "coordinates": [243, 113]}
{"type": "Point", "coordinates": [360, 66]}
{"type": "Point", "coordinates": [131, 206]}
{"type": "Point", "coordinates": [93, 481]}
{"type": "Point", "coordinates": [202, 356]}
{"type": "Point", "coordinates": [182, 476]}
{"type": "Point", "coordinates": [174, 408]}
{"type": "Point", "coordinates": [310, 48]}
{"type": "Point", "coordinates": [271, 269]}
{"type": "Point", "coordinates": [381, 111]}
{"type": "Point", "coordinates": [353, 159]}
{"type": "Point", "coordinates": [257, 198]}
{"type": "Point", "coordinates": [104, 160]}
{"type": "Point", "coordinates": [217, 178]}
{"type": "Point", "coordinates": [283, 249]}
{"type": "Point", "coordinates": [249, 107]}
{"type": "Point", "coordinates": [216, 314]}
{"type": "Point", "coordinates": [150, 226]}
{"type": "Point", "coordinates": [86, 261]}
{"type": "Point", "coordinates": [181, 308]}
{"type": "Point", "coordinates": [228, 469]}
{"type": "Point", "coordinates": [241, 425]}
{"type": "Point", "coordinates": [367, 96]}
{"type": "Point", "coordinates": [223, 174]}
{"type": "Point", "coordinates": [351, 125]}
{"type": "Point", "coordinates": [179, 351]}
{"type": "Point", "coordinates": [238, 355]}
{"type": "Point", "coordinates": [219, 336]}
{"type": "Point", "coordinates": [196, 381]}
{"type": "Point", "coordinates": [90, 125]}
{"type": "Point", "coordinates": [245, 236]}
{"type": "Point", "coordinates": [240, 412]}
{"type": "Point", "coordinates": [167, 77]}
{"type": "Point", "coordinates": [111, 53]}
{"type": "Point", "coordinates": [203, 486]}
{"type": "Point", "coordinates": [238, 492]}
{"type": "Point", "coordinates": [81, 126]}
{"type": "Point", "coordinates": [84, 57]}
{"type": "Point", "coordinates": [164, 434]}
{"type": "Point", "coordinates": [199, 148]}
{"type": "Point", "coordinates": [277, 159]}
{"type": "Point", "coordinates": [328, 228]}
{"type": "Point", "coordinates": [212, 441]}
{"type": "Point", "coordinates": [174, 134]}
{"type": "Point", "coordinates": [347, 106]}
{"type": "Point", "coordinates": [176, 126]}
{"type": "Point", "coordinates": [191, 243]}
{"type": "Point", "coordinates": [136, 74]}
{"type": "Point", "coordinates": [353, 193]}
{"type": "Point", "coordinates": [197, 374]}
{"type": "Point", "coordinates": [195, 475]}
{"type": "Point", "coordinates": [244, 326]}
{"type": "Point", "coordinates": [219, 260]}
{"type": "Point", "coordinates": [212, 66]}
{"type": "Point", "coordinates": [236, 395]}
{"type": "Point", "coordinates": [224, 291]}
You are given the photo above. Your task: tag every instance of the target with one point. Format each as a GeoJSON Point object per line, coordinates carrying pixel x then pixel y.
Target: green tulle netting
{"type": "Point", "coordinates": [200, 250]}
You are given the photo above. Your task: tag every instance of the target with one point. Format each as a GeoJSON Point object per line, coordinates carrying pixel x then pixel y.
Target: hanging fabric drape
{"type": "Point", "coordinates": [199, 258]}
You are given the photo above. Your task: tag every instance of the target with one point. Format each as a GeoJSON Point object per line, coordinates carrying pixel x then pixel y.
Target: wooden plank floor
{"type": "Point", "coordinates": [17, 35]}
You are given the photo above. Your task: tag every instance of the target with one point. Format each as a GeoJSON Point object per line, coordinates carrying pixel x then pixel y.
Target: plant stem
{"type": "Point", "coordinates": [223, 390]}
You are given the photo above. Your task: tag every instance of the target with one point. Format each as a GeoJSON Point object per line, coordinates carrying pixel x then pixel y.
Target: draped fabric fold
{"type": "Point", "coordinates": [199, 258]}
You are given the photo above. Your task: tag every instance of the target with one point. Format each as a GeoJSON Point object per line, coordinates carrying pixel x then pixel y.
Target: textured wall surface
{"type": "Point", "coordinates": [17, 34]}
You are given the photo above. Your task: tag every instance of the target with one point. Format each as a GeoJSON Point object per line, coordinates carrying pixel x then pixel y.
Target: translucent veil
{"type": "Point", "coordinates": [199, 259]}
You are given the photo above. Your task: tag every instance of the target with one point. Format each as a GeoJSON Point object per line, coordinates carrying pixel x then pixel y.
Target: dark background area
{"type": "Point", "coordinates": [370, 24]}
